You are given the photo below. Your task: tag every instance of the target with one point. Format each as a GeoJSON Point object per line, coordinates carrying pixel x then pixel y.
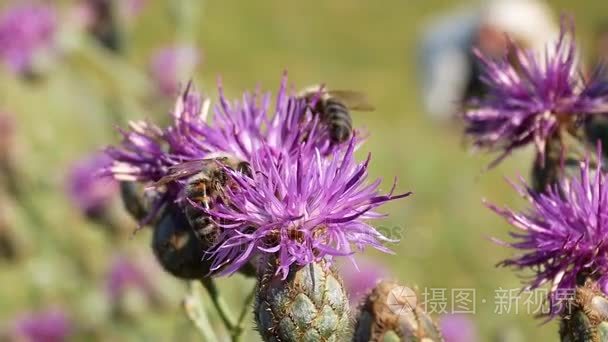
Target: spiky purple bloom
{"type": "Point", "coordinates": [45, 326]}
{"type": "Point", "coordinates": [25, 29]}
{"type": "Point", "coordinates": [124, 274]}
{"type": "Point", "coordinates": [239, 128]}
{"type": "Point", "coordinates": [458, 328]}
{"type": "Point", "coordinates": [563, 237]}
{"type": "Point", "coordinates": [169, 64]}
{"type": "Point", "coordinates": [298, 207]}
{"type": "Point", "coordinates": [532, 97]}
{"type": "Point", "coordinates": [89, 191]}
{"type": "Point", "coordinates": [361, 277]}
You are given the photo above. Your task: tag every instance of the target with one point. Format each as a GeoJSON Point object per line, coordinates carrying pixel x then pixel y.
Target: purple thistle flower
{"type": "Point", "coordinates": [241, 128]}
{"type": "Point", "coordinates": [125, 274]}
{"type": "Point", "coordinates": [45, 326]}
{"type": "Point", "coordinates": [361, 277]}
{"type": "Point", "coordinates": [142, 156]}
{"type": "Point", "coordinates": [89, 191]}
{"type": "Point", "coordinates": [458, 328]}
{"type": "Point", "coordinates": [171, 63]}
{"type": "Point", "coordinates": [298, 207]}
{"type": "Point", "coordinates": [564, 235]}
{"type": "Point", "coordinates": [25, 29]}
{"type": "Point", "coordinates": [148, 153]}
{"type": "Point", "coordinates": [532, 98]}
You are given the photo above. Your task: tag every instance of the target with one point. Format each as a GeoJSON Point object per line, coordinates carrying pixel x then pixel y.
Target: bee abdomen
{"type": "Point", "coordinates": [339, 121]}
{"type": "Point", "coordinates": [202, 225]}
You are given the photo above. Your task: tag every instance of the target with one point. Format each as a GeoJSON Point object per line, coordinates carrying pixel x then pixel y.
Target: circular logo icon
{"type": "Point", "coordinates": [401, 300]}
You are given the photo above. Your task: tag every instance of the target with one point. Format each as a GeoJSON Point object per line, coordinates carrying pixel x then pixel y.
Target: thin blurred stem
{"type": "Point", "coordinates": [186, 14]}
{"type": "Point", "coordinates": [238, 331]}
{"type": "Point", "coordinates": [126, 84]}
{"type": "Point", "coordinates": [16, 190]}
{"type": "Point", "coordinates": [114, 68]}
{"type": "Point", "coordinates": [218, 302]}
{"type": "Point", "coordinates": [193, 304]}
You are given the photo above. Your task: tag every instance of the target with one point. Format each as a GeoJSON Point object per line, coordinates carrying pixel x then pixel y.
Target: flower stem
{"type": "Point", "coordinates": [193, 304]}
{"type": "Point", "coordinates": [219, 303]}
{"type": "Point", "coordinates": [238, 331]}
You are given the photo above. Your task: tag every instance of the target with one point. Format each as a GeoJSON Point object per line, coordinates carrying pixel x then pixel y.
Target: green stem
{"type": "Point", "coordinates": [193, 304]}
{"type": "Point", "coordinates": [238, 331]}
{"type": "Point", "coordinates": [218, 302]}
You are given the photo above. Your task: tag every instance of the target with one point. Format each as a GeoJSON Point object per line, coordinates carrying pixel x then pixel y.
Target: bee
{"type": "Point", "coordinates": [206, 180]}
{"type": "Point", "coordinates": [333, 108]}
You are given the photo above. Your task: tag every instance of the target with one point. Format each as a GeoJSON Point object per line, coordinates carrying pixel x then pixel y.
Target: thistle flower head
{"type": "Point", "coordinates": [238, 129]}
{"type": "Point", "coordinates": [142, 155]}
{"type": "Point", "coordinates": [24, 30]}
{"type": "Point", "coordinates": [390, 312]}
{"type": "Point", "coordinates": [88, 191]}
{"type": "Point", "coordinates": [298, 207]}
{"type": "Point", "coordinates": [170, 65]}
{"type": "Point", "coordinates": [51, 326]}
{"type": "Point", "coordinates": [531, 97]}
{"type": "Point", "coordinates": [563, 237]}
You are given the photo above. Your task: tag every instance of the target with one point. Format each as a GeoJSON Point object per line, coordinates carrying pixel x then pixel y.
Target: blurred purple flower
{"type": "Point", "coordinates": [458, 328]}
{"type": "Point", "coordinates": [130, 9]}
{"type": "Point", "coordinates": [148, 153]}
{"type": "Point", "coordinates": [299, 207]}
{"type": "Point", "coordinates": [170, 64]}
{"type": "Point", "coordinates": [25, 29]}
{"type": "Point", "coordinates": [361, 277]}
{"type": "Point", "coordinates": [532, 98]}
{"type": "Point", "coordinates": [564, 235]}
{"type": "Point", "coordinates": [87, 189]}
{"type": "Point", "coordinates": [124, 274]}
{"type": "Point", "coordinates": [45, 326]}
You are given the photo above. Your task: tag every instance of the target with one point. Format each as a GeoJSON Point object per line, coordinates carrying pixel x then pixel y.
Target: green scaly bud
{"type": "Point", "coordinates": [586, 319]}
{"type": "Point", "coordinates": [309, 305]}
{"type": "Point", "coordinates": [390, 314]}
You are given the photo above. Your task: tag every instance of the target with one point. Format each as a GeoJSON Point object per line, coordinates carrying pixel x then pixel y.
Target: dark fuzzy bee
{"type": "Point", "coordinates": [333, 107]}
{"type": "Point", "coordinates": [206, 180]}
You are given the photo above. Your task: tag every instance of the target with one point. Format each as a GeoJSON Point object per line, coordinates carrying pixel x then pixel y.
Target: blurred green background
{"type": "Point", "coordinates": [363, 45]}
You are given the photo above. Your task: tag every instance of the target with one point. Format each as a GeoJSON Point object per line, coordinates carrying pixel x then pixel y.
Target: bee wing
{"type": "Point", "coordinates": [183, 170]}
{"type": "Point", "coordinates": [352, 99]}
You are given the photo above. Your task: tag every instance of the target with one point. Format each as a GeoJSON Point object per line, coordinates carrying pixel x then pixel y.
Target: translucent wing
{"type": "Point", "coordinates": [184, 170]}
{"type": "Point", "coordinates": [352, 99]}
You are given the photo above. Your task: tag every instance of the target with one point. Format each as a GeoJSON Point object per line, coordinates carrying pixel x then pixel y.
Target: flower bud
{"type": "Point", "coordinates": [133, 200]}
{"type": "Point", "coordinates": [177, 248]}
{"type": "Point", "coordinates": [103, 24]}
{"type": "Point", "coordinates": [310, 304]}
{"type": "Point", "coordinates": [586, 316]}
{"type": "Point", "coordinates": [390, 313]}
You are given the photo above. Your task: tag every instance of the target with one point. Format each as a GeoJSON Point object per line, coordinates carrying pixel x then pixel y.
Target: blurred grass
{"type": "Point", "coordinates": [368, 46]}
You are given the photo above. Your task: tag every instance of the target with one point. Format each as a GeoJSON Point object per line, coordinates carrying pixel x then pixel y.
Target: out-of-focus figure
{"type": "Point", "coordinates": [596, 126]}
{"type": "Point", "coordinates": [448, 67]}
{"type": "Point", "coordinates": [601, 46]}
